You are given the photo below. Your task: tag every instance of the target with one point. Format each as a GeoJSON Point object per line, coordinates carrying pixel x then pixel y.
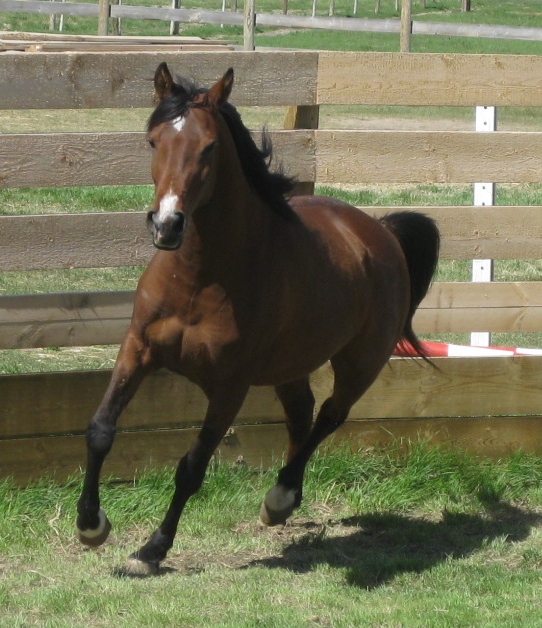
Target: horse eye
{"type": "Point", "coordinates": [152, 144]}
{"type": "Point", "coordinates": [208, 150]}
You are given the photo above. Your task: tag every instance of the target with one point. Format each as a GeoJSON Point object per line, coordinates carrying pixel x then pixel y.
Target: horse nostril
{"type": "Point", "coordinates": [167, 233]}
{"type": "Point", "coordinates": [177, 221]}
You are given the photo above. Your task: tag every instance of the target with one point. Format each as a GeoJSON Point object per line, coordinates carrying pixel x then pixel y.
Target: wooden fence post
{"type": "Point", "coordinates": [117, 28]}
{"type": "Point", "coordinates": [249, 25]}
{"type": "Point", "coordinates": [103, 17]}
{"type": "Point", "coordinates": [465, 5]}
{"type": "Point", "coordinates": [174, 26]}
{"type": "Point", "coordinates": [302, 117]}
{"type": "Point", "coordinates": [406, 25]}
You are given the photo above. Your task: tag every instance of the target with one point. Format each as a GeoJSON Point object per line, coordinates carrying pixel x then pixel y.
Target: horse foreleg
{"type": "Point", "coordinates": [222, 410]}
{"type": "Point", "coordinates": [93, 527]}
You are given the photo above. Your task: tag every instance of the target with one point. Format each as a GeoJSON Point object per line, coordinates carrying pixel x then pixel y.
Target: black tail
{"type": "Point", "coordinates": [419, 238]}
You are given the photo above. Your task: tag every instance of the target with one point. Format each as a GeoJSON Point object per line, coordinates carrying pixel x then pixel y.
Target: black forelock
{"type": "Point", "coordinates": [184, 92]}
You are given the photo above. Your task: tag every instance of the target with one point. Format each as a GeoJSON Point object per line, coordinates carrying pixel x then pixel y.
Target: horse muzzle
{"type": "Point", "coordinates": [167, 234]}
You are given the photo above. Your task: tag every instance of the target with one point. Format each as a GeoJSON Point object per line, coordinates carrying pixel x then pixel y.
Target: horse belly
{"type": "Point", "coordinates": [304, 346]}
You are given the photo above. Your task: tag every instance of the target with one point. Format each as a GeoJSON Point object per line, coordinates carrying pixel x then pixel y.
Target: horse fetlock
{"type": "Point", "coordinates": [278, 505]}
{"type": "Point", "coordinates": [138, 568]}
{"type": "Point", "coordinates": [94, 537]}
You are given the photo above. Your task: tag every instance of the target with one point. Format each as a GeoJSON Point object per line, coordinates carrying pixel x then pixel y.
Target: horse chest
{"type": "Point", "coordinates": [198, 331]}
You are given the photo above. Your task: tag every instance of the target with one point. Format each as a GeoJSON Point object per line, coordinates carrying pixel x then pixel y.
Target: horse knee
{"type": "Point", "coordinates": [100, 437]}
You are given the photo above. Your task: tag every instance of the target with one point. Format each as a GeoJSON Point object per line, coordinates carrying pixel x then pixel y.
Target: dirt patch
{"type": "Point", "coordinates": [395, 124]}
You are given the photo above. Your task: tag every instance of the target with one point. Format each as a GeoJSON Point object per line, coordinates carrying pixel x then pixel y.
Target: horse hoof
{"type": "Point", "coordinates": [95, 538]}
{"type": "Point", "coordinates": [139, 568]}
{"type": "Point", "coordinates": [277, 506]}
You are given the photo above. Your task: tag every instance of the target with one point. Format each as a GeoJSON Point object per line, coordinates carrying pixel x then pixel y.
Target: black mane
{"type": "Point", "coordinates": [270, 185]}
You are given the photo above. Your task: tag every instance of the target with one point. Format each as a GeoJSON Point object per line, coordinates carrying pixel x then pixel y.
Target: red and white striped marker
{"type": "Point", "coordinates": [443, 350]}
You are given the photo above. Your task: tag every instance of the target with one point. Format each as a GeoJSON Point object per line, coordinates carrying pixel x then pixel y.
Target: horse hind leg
{"type": "Point", "coordinates": [353, 376]}
{"type": "Point", "coordinates": [298, 403]}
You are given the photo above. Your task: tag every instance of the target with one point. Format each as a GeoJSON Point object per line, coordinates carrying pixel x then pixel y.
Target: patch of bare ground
{"type": "Point", "coordinates": [395, 124]}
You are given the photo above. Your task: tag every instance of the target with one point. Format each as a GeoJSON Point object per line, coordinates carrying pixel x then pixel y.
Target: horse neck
{"type": "Point", "coordinates": [235, 220]}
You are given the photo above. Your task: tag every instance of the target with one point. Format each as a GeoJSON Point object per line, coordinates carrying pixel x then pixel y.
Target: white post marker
{"type": "Point", "coordinates": [484, 196]}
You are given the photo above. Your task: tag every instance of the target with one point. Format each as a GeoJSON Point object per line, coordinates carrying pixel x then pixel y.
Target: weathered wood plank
{"type": "Point", "coordinates": [144, 40]}
{"type": "Point", "coordinates": [498, 232]}
{"type": "Point", "coordinates": [66, 319]}
{"type": "Point", "coordinates": [495, 307]}
{"type": "Point", "coordinates": [59, 403]}
{"type": "Point", "coordinates": [74, 159]}
{"type": "Point", "coordinates": [82, 319]}
{"type": "Point", "coordinates": [354, 157]}
{"type": "Point", "coordinates": [378, 78]}
{"type": "Point", "coordinates": [74, 241]}
{"type": "Point", "coordinates": [357, 157]}
{"type": "Point", "coordinates": [464, 387]}
{"type": "Point", "coordinates": [76, 9]}
{"type": "Point", "coordinates": [72, 80]}
{"type": "Point", "coordinates": [77, 240]}
{"type": "Point", "coordinates": [260, 446]}
{"type": "Point", "coordinates": [78, 159]}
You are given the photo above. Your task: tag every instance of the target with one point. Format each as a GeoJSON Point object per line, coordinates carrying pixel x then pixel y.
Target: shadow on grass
{"type": "Point", "coordinates": [374, 549]}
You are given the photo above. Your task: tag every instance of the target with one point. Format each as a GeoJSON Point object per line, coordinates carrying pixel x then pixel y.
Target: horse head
{"type": "Point", "coordinates": [183, 135]}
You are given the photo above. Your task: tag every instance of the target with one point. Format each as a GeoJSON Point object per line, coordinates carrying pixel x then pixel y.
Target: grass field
{"type": "Point", "coordinates": [410, 537]}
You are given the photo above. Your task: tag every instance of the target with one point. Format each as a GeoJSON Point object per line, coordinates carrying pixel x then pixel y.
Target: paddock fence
{"type": "Point", "coordinates": [108, 10]}
{"type": "Point", "coordinates": [488, 405]}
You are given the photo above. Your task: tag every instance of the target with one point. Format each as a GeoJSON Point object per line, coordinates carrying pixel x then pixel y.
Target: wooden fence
{"type": "Point", "coordinates": [487, 405]}
{"type": "Point", "coordinates": [107, 9]}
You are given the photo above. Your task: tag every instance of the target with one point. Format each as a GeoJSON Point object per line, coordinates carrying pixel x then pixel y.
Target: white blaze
{"type": "Point", "coordinates": [168, 206]}
{"type": "Point", "coordinates": [178, 123]}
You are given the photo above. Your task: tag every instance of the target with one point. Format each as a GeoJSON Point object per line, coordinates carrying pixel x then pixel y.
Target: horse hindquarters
{"type": "Point", "coordinates": [359, 362]}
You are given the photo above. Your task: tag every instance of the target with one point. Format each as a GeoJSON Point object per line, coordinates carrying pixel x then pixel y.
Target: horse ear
{"type": "Point", "coordinates": [163, 82]}
{"type": "Point", "coordinates": [221, 90]}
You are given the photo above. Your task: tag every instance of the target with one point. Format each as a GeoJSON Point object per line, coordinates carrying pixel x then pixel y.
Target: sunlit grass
{"type": "Point", "coordinates": [383, 536]}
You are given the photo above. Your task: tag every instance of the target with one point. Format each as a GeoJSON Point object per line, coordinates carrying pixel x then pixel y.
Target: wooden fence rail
{"type": "Point", "coordinates": [490, 405]}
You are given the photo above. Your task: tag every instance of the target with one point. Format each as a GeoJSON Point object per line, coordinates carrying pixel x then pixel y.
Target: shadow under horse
{"type": "Point", "coordinates": [251, 288]}
{"type": "Point", "coordinates": [379, 547]}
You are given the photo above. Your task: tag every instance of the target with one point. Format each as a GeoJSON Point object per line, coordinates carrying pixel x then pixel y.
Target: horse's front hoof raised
{"type": "Point", "coordinates": [277, 506]}
{"type": "Point", "coordinates": [95, 538]}
{"type": "Point", "coordinates": [137, 568]}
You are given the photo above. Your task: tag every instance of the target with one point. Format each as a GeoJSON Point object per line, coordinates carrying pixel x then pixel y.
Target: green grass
{"type": "Point", "coordinates": [411, 537]}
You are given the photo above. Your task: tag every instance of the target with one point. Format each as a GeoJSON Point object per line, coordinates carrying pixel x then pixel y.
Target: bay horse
{"type": "Point", "coordinates": [249, 288]}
